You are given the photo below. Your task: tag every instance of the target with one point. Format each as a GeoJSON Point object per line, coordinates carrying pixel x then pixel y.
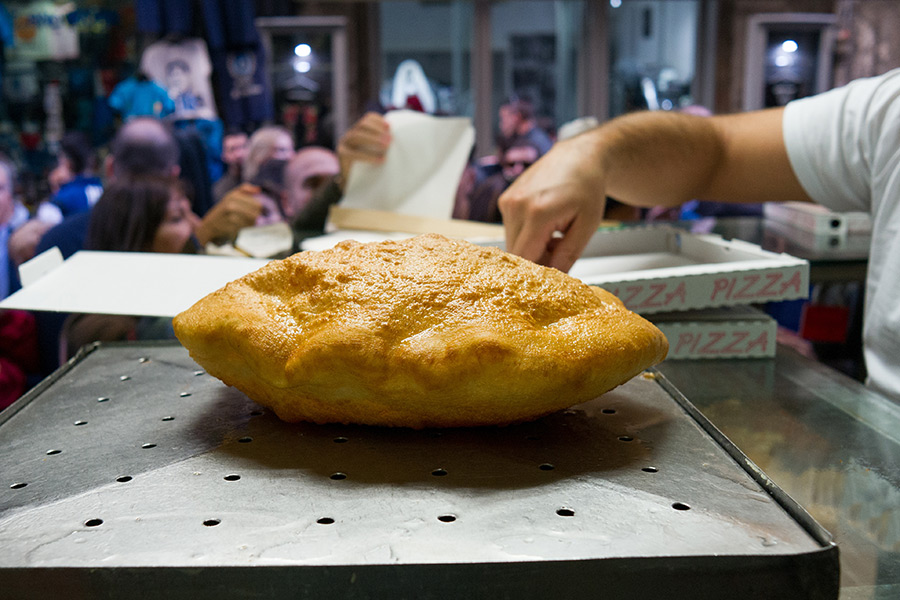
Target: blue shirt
{"type": "Point", "coordinates": [133, 98]}
{"type": "Point", "coordinates": [78, 195]}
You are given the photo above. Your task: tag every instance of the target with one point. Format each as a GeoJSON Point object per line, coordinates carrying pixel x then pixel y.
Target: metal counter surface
{"type": "Point", "coordinates": [826, 440]}
{"type": "Point", "coordinates": [132, 473]}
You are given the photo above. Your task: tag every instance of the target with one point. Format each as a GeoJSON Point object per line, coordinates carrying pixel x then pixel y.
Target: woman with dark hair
{"type": "Point", "coordinates": [143, 214]}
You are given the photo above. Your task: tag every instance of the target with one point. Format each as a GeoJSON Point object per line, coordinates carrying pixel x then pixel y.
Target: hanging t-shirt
{"type": "Point", "coordinates": [183, 69]}
{"type": "Point", "coordinates": [42, 32]}
{"type": "Point", "coordinates": [243, 89]}
{"type": "Point", "coordinates": [6, 27]}
{"type": "Point", "coordinates": [133, 98]}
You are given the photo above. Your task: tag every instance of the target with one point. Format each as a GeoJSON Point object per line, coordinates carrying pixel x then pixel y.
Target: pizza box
{"type": "Point", "coordinates": [727, 332]}
{"type": "Point", "coordinates": [816, 218]}
{"type": "Point", "coordinates": [663, 269]}
{"type": "Point", "coordinates": [783, 235]}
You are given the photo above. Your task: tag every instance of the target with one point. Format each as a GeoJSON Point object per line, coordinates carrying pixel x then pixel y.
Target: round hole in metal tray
{"type": "Point", "coordinates": [198, 373]}
{"type": "Point", "coordinates": [143, 360]}
{"type": "Point", "coordinates": [184, 394]}
{"type": "Point", "coordinates": [680, 506]}
{"type": "Point", "coordinates": [54, 451]}
{"type": "Point", "coordinates": [565, 512]}
{"type": "Point", "coordinates": [232, 477]}
{"type": "Point", "coordinates": [124, 377]}
{"type": "Point", "coordinates": [93, 522]}
{"type": "Point", "coordinates": [18, 486]}
{"type": "Point", "coordinates": [212, 522]}
{"type": "Point", "coordinates": [102, 399]}
{"type": "Point", "coordinates": [626, 438]}
{"type": "Point", "coordinates": [168, 418]}
{"type": "Point", "coordinates": [447, 518]}
{"type": "Point", "coordinates": [325, 521]}
{"type": "Point", "coordinates": [79, 423]}
{"type": "Point", "coordinates": [148, 446]}
{"type": "Point", "coordinates": [608, 411]}
{"type": "Point", "coordinates": [650, 470]}
{"type": "Point", "coordinates": [338, 476]}
{"type": "Point", "coordinates": [340, 440]}
{"type": "Point", "coordinates": [546, 467]}
{"type": "Point", "coordinates": [439, 472]}
{"type": "Point", "coordinates": [124, 478]}
{"type": "Point", "coordinates": [256, 413]}
{"type": "Point", "coordinates": [245, 440]}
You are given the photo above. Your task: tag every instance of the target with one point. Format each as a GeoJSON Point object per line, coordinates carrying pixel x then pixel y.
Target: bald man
{"type": "Point", "coordinates": [308, 172]}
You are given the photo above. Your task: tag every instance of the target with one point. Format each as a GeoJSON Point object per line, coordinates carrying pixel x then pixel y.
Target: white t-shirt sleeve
{"type": "Point", "coordinates": [834, 140]}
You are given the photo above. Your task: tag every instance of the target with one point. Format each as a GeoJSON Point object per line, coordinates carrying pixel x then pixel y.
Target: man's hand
{"type": "Point", "coordinates": [238, 209]}
{"type": "Point", "coordinates": [367, 140]}
{"type": "Point", "coordinates": [24, 240]}
{"type": "Point", "coordinates": [552, 210]}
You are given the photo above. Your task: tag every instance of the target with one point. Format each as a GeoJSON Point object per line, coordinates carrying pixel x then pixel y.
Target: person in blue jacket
{"type": "Point", "coordinates": [81, 192]}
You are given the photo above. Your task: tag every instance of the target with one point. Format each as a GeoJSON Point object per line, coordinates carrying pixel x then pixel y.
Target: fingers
{"type": "Point", "coordinates": [550, 227]}
{"type": "Point", "coordinates": [564, 251]}
{"type": "Point", "coordinates": [368, 140]}
{"type": "Point", "coordinates": [529, 228]}
{"type": "Point", "coordinates": [24, 241]}
{"type": "Point", "coordinates": [238, 209]}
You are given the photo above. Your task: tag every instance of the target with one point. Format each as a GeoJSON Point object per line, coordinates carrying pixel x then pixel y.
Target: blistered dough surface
{"type": "Point", "coordinates": [425, 332]}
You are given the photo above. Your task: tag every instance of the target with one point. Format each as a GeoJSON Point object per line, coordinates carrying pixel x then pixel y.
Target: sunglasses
{"type": "Point", "coordinates": [518, 163]}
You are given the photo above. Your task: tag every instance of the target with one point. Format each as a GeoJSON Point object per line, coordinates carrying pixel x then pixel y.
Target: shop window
{"type": "Point", "coordinates": [653, 53]}
{"type": "Point", "coordinates": [308, 73]}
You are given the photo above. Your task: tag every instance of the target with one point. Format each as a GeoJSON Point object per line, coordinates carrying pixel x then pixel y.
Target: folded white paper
{"type": "Point", "coordinates": [421, 171]}
{"type": "Point", "coordinates": [129, 283]}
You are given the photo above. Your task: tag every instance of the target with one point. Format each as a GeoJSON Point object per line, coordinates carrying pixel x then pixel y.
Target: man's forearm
{"type": "Point", "coordinates": [665, 159]}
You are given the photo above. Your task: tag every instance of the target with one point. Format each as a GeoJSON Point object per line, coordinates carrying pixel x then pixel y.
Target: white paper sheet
{"type": "Point", "coordinates": [129, 283]}
{"type": "Point", "coordinates": [422, 168]}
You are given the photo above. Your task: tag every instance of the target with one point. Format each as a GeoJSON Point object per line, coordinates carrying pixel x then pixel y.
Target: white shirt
{"type": "Point", "coordinates": [844, 146]}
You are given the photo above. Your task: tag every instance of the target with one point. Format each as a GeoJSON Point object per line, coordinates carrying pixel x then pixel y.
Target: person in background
{"type": "Point", "coordinates": [368, 141]}
{"type": "Point", "coordinates": [513, 162]}
{"type": "Point", "coordinates": [307, 173]}
{"type": "Point", "coordinates": [271, 191]}
{"type": "Point", "coordinates": [839, 148]}
{"type": "Point", "coordinates": [234, 151]}
{"type": "Point", "coordinates": [18, 336]}
{"type": "Point", "coordinates": [83, 188]}
{"type": "Point", "coordinates": [7, 210]}
{"type": "Point", "coordinates": [267, 142]}
{"type": "Point", "coordinates": [145, 213]}
{"type": "Point", "coordinates": [517, 120]}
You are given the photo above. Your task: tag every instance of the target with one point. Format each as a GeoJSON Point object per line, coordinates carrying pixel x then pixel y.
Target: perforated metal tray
{"type": "Point", "coordinates": [132, 473]}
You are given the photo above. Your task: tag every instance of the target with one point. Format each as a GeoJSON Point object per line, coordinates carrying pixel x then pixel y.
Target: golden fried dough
{"type": "Point", "coordinates": [424, 332]}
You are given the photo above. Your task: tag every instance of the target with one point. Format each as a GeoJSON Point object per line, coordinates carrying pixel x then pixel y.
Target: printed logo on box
{"type": "Point", "coordinates": [721, 343]}
{"type": "Point", "coordinates": [720, 290]}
